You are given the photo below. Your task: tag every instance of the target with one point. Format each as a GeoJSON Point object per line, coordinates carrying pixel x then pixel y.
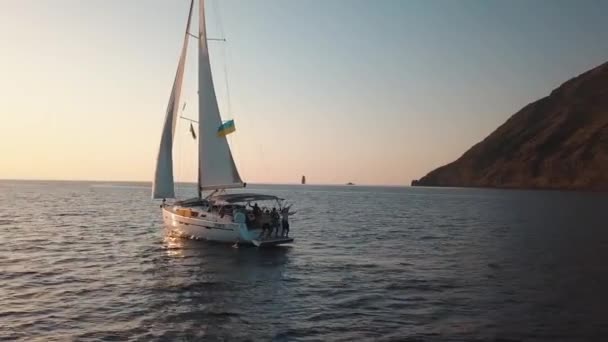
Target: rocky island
{"type": "Point", "coordinates": [557, 142]}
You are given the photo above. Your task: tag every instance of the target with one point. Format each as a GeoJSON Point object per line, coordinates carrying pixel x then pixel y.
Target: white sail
{"type": "Point", "coordinates": [217, 169]}
{"type": "Point", "coordinates": [163, 186]}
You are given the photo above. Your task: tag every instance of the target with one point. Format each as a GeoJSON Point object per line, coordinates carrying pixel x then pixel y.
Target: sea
{"type": "Point", "coordinates": [91, 261]}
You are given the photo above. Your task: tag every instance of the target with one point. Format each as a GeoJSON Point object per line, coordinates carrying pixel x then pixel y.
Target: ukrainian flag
{"type": "Point", "coordinates": [226, 128]}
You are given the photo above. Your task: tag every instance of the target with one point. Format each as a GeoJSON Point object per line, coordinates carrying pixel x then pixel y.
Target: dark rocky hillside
{"type": "Point", "coordinates": [557, 142]}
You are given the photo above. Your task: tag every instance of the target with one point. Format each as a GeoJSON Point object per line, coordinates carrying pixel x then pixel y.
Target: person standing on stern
{"type": "Point", "coordinates": [285, 220]}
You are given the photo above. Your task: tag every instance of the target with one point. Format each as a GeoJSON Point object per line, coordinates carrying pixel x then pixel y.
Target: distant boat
{"type": "Point", "coordinates": [349, 183]}
{"type": "Point", "coordinates": [219, 215]}
{"type": "Point", "coordinates": [303, 180]}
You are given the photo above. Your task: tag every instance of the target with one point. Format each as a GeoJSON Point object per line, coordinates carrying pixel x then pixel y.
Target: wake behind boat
{"type": "Point", "coordinates": [218, 216]}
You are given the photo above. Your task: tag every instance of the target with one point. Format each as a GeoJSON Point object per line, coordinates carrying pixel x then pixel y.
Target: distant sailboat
{"type": "Point", "coordinates": [303, 180]}
{"type": "Point", "coordinates": [219, 216]}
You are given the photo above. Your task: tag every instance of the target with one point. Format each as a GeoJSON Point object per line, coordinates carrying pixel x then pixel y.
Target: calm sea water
{"type": "Point", "coordinates": [91, 261]}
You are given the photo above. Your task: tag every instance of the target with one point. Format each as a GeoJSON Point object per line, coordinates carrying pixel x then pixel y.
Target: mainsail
{"type": "Point", "coordinates": [163, 186]}
{"type": "Point", "coordinates": [217, 169]}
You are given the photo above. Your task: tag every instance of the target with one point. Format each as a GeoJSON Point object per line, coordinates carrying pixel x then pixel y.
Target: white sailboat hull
{"type": "Point", "coordinates": [212, 228]}
{"type": "Point", "coordinates": [215, 228]}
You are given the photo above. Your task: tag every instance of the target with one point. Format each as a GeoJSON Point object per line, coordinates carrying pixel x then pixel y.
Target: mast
{"type": "Point", "coordinates": [201, 13]}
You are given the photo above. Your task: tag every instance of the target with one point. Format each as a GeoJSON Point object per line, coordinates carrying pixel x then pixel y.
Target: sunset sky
{"type": "Point", "coordinates": [373, 92]}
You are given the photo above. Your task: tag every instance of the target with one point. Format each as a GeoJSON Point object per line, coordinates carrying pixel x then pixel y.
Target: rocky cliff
{"type": "Point", "coordinates": [557, 142]}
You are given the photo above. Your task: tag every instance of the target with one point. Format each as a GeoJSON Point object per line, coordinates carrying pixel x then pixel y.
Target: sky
{"type": "Point", "coordinates": [370, 92]}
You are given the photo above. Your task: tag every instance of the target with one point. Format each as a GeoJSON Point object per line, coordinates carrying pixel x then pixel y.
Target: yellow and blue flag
{"type": "Point", "coordinates": [192, 132]}
{"type": "Point", "coordinates": [226, 128]}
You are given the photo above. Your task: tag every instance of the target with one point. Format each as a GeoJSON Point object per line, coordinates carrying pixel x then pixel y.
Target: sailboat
{"type": "Point", "coordinates": [303, 180]}
{"type": "Point", "coordinates": [215, 214]}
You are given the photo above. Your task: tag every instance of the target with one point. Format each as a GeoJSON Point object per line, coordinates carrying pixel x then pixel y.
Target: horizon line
{"type": "Point", "coordinates": [190, 182]}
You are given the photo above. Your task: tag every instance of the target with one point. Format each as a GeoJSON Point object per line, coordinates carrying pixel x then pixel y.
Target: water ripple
{"type": "Point", "coordinates": [378, 264]}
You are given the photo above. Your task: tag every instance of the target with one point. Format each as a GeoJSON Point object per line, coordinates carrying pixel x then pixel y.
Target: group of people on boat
{"type": "Point", "coordinates": [270, 220]}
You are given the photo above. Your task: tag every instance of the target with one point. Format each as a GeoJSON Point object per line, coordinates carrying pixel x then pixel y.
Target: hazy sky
{"type": "Point", "coordinates": [374, 92]}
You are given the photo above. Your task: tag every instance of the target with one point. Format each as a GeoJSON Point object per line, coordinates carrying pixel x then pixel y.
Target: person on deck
{"type": "Point", "coordinates": [260, 223]}
{"type": "Point", "coordinates": [256, 211]}
{"type": "Point", "coordinates": [256, 208]}
{"type": "Point", "coordinates": [285, 220]}
{"type": "Point", "coordinates": [265, 223]}
{"type": "Point", "coordinates": [274, 216]}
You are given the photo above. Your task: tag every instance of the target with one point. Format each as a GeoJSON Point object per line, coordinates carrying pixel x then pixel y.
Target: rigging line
{"type": "Point", "coordinates": [228, 104]}
{"type": "Point", "coordinates": [232, 141]}
{"type": "Point", "coordinates": [216, 9]}
{"type": "Point", "coordinates": [188, 119]}
{"type": "Point", "coordinates": [181, 146]}
{"type": "Point", "coordinates": [209, 39]}
{"type": "Point", "coordinates": [263, 165]}
{"type": "Point", "coordinates": [178, 149]}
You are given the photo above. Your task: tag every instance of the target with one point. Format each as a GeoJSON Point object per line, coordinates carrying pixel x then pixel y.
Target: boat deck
{"type": "Point", "coordinates": [271, 241]}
